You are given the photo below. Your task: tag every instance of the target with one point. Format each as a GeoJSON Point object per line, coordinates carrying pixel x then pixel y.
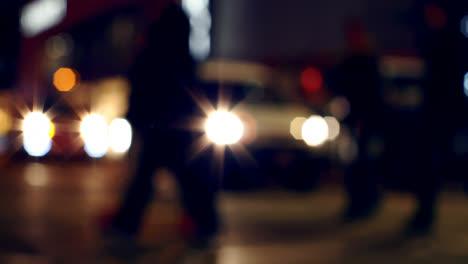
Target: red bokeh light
{"type": "Point", "coordinates": [311, 79]}
{"type": "Point", "coordinates": [435, 16]}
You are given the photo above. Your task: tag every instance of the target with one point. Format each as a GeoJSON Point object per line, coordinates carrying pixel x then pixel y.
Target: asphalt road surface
{"type": "Point", "coordinates": [49, 212]}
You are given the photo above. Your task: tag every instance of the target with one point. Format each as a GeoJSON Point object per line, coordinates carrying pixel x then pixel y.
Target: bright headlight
{"type": "Point", "coordinates": [94, 133]}
{"type": "Point", "coordinates": [38, 131]}
{"type": "Point", "coordinates": [315, 131]}
{"type": "Point", "coordinates": [224, 128]}
{"type": "Point", "coordinates": [120, 135]}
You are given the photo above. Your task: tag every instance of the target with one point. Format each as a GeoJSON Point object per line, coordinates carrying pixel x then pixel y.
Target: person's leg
{"type": "Point", "coordinates": [426, 191]}
{"type": "Point", "coordinates": [361, 183]}
{"type": "Point", "coordinates": [426, 177]}
{"type": "Point", "coordinates": [363, 196]}
{"type": "Point", "coordinates": [140, 191]}
{"type": "Point", "coordinates": [199, 187]}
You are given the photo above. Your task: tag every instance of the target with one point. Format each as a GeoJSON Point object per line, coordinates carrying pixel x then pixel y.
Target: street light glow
{"type": "Point", "coordinates": [120, 135]}
{"type": "Point", "coordinates": [224, 128]}
{"type": "Point", "coordinates": [41, 15]}
{"type": "Point", "coordinates": [38, 131]}
{"type": "Point", "coordinates": [94, 133]}
{"type": "Point", "coordinates": [315, 131]}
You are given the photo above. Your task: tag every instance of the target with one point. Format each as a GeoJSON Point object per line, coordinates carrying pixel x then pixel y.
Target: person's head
{"type": "Point", "coordinates": [357, 38]}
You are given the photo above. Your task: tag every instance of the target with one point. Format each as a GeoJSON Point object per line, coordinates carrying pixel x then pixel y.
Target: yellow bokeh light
{"type": "Point", "coordinates": [65, 79]}
{"type": "Point", "coordinates": [5, 122]}
{"type": "Point", "coordinates": [296, 127]}
{"type": "Point", "coordinates": [51, 129]}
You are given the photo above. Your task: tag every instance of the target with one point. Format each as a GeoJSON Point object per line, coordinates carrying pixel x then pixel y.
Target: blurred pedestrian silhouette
{"type": "Point", "coordinates": [158, 103]}
{"type": "Point", "coordinates": [407, 156]}
{"type": "Point", "coordinates": [443, 48]}
{"type": "Point", "coordinates": [359, 80]}
{"type": "Point", "coordinates": [10, 42]}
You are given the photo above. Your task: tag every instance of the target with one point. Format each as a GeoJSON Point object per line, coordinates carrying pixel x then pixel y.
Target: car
{"type": "Point", "coordinates": [72, 95]}
{"type": "Point", "coordinates": [265, 134]}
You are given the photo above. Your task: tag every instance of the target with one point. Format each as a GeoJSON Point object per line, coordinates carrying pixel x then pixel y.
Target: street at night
{"type": "Point", "coordinates": [49, 214]}
{"type": "Point", "coordinates": [233, 132]}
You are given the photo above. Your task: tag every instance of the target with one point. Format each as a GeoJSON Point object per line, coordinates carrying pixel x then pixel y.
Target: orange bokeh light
{"type": "Point", "coordinates": [65, 79]}
{"type": "Point", "coordinates": [311, 79]}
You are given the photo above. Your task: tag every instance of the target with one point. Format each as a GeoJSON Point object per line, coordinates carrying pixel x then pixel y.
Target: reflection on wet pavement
{"type": "Point", "coordinates": [48, 214]}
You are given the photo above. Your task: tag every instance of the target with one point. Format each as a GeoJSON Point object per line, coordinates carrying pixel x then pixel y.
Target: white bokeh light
{"type": "Point", "coordinates": [200, 44]}
{"type": "Point", "coordinates": [465, 84]}
{"type": "Point", "coordinates": [333, 127]}
{"type": "Point", "coordinates": [37, 134]}
{"type": "Point", "coordinates": [200, 24]}
{"type": "Point", "coordinates": [194, 7]}
{"type": "Point", "coordinates": [224, 128]}
{"type": "Point", "coordinates": [94, 133]}
{"type": "Point", "coordinates": [120, 135]}
{"type": "Point", "coordinates": [201, 20]}
{"type": "Point", "coordinates": [41, 15]}
{"type": "Point", "coordinates": [315, 131]}
{"type": "Point", "coordinates": [464, 26]}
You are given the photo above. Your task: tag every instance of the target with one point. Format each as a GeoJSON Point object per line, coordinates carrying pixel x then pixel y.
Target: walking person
{"type": "Point", "coordinates": [158, 103]}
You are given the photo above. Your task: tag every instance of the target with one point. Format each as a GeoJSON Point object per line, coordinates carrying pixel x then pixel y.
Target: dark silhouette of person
{"type": "Point", "coordinates": [9, 42]}
{"type": "Point", "coordinates": [419, 144]}
{"type": "Point", "coordinates": [158, 103]}
{"type": "Point", "coordinates": [406, 151]}
{"type": "Point", "coordinates": [359, 80]}
{"type": "Point", "coordinates": [443, 48]}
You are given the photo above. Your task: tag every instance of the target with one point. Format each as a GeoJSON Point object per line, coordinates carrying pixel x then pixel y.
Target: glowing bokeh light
{"type": "Point", "coordinates": [37, 133]}
{"type": "Point", "coordinates": [315, 131]}
{"type": "Point", "coordinates": [5, 122]}
{"type": "Point", "coordinates": [41, 15]}
{"type": "Point", "coordinates": [296, 127]}
{"type": "Point", "coordinates": [311, 79]}
{"type": "Point", "coordinates": [224, 128]}
{"type": "Point", "coordinates": [194, 7]}
{"type": "Point", "coordinates": [37, 147]}
{"type": "Point", "coordinates": [200, 44]}
{"type": "Point", "coordinates": [94, 133]}
{"type": "Point", "coordinates": [200, 22]}
{"type": "Point", "coordinates": [51, 130]}
{"type": "Point", "coordinates": [36, 174]}
{"type": "Point", "coordinates": [339, 107]}
{"type": "Point", "coordinates": [65, 79]}
{"type": "Point", "coordinates": [464, 26]}
{"type": "Point", "coordinates": [120, 135]}
{"type": "Point", "coordinates": [465, 84]}
{"type": "Point", "coordinates": [333, 127]}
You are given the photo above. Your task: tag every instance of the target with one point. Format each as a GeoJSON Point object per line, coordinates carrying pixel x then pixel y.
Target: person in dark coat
{"type": "Point", "coordinates": [159, 102]}
{"type": "Point", "coordinates": [359, 80]}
